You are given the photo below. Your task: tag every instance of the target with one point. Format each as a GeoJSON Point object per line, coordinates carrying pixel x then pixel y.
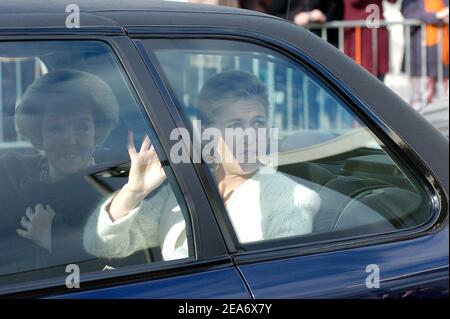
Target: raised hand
{"type": "Point", "coordinates": [302, 18]}
{"type": "Point", "coordinates": [146, 172]}
{"type": "Point", "coordinates": [146, 175]}
{"type": "Point", "coordinates": [317, 16]}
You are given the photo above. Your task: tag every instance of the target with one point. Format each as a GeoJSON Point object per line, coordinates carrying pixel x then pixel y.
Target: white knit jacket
{"type": "Point", "coordinates": [266, 206]}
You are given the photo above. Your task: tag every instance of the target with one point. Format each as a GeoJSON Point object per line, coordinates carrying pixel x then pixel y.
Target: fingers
{"type": "Point", "coordinates": [50, 210]}
{"type": "Point", "coordinates": [25, 223]}
{"type": "Point", "coordinates": [153, 155]}
{"type": "Point", "coordinates": [23, 233]}
{"type": "Point", "coordinates": [145, 144]}
{"type": "Point", "coordinates": [154, 159]}
{"type": "Point", "coordinates": [39, 209]}
{"type": "Point", "coordinates": [27, 231]}
{"type": "Point", "coordinates": [29, 213]}
{"type": "Point", "coordinates": [131, 148]}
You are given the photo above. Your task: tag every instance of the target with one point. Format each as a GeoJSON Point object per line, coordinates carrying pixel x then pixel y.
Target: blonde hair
{"type": "Point", "coordinates": [225, 88]}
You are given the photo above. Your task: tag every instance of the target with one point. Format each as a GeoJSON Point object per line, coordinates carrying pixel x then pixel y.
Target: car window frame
{"type": "Point", "coordinates": [210, 256]}
{"type": "Point", "coordinates": [388, 136]}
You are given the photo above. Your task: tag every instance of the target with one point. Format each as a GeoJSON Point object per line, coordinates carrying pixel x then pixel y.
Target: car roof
{"type": "Point", "coordinates": [38, 17]}
{"type": "Point", "coordinates": [16, 14]}
{"type": "Point", "coordinates": [97, 6]}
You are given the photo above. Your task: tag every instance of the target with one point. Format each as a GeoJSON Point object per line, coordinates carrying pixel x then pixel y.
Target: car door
{"type": "Point", "coordinates": [381, 230]}
{"type": "Point", "coordinates": [200, 272]}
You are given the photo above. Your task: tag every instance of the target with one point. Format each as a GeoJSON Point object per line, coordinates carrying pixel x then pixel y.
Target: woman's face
{"type": "Point", "coordinates": [239, 157]}
{"type": "Point", "coordinates": [68, 139]}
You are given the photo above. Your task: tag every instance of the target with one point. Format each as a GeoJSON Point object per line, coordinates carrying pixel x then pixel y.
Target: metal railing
{"type": "Point", "coordinates": [316, 113]}
{"type": "Point", "coordinates": [297, 102]}
{"type": "Point", "coordinates": [407, 24]}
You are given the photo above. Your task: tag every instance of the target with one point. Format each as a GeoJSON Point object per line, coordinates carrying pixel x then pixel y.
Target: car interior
{"type": "Point", "coordinates": [362, 190]}
{"type": "Point", "coordinates": [112, 156]}
{"type": "Point", "coordinates": [358, 190]}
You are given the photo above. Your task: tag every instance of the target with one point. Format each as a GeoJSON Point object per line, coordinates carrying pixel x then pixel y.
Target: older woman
{"type": "Point", "coordinates": [260, 206]}
{"type": "Point", "coordinates": [65, 115]}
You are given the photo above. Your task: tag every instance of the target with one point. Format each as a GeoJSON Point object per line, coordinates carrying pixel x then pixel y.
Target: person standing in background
{"type": "Point", "coordinates": [358, 41]}
{"type": "Point", "coordinates": [435, 14]}
{"type": "Point", "coordinates": [306, 12]}
{"type": "Point", "coordinates": [301, 12]}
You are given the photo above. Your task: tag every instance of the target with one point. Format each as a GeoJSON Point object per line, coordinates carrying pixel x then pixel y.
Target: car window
{"type": "Point", "coordinates": [290, 158]}
{"type": "Point", "coordinates": [70, 129]}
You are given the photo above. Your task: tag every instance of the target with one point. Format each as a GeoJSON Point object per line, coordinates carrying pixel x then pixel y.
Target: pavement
{"type": "Point", "coordinates": [437, 114]}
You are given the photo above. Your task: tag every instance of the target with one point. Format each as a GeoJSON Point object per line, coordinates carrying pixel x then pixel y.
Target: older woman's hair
{"type": "Point", "coordinates": [58, 91]}
{"type": "Point", "coordinates": [227, 87]}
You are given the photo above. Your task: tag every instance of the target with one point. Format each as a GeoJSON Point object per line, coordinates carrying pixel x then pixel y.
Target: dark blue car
{"type": "Point", "coordinates": [76, 79]}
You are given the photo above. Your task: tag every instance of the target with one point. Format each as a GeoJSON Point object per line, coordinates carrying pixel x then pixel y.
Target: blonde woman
{"type": "Point", "coordinates": [260, 206]}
